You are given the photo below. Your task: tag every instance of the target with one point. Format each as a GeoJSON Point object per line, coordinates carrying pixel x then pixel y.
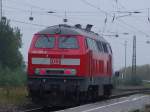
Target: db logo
{"type": "Point", "coordinates": [55, 61]}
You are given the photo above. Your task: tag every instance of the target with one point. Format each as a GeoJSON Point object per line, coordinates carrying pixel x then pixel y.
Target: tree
{"type": "Point", "coordinates": [12, 72]}
{"type": "Point", "coordinates": [10, 43]}
{"type": "Point", "coordinates": [142, 73]}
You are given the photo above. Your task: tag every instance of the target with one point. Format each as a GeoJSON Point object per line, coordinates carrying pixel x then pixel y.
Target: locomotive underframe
{"type": "Point", "coordinates": [59, 87]}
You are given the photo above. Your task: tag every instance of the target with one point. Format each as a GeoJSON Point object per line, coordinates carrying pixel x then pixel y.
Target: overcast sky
{"type": "Point", "coordinates": [109, 17]}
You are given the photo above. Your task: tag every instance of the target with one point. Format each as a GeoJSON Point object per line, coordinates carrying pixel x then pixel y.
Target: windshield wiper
{"type": "Point", "coordinates": [47, 38]}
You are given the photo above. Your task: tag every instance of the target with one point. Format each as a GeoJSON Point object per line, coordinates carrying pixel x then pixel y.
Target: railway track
{"type": "Point", "coordinates": [115, 96]}
{"type": "Point", "coordinates": [45, 109]}
{"type": "Point", "coordinates": [130, 92]}
{"type": "Point", "coordinates": [33, 110]}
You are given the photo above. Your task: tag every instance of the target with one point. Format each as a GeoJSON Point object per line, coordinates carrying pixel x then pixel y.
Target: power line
{"type": "Point", "coordinates": [23, 10]}
{"type": "Point", "coordinates": [147, 35]}
{"type": "Point", "coordinates": [89, 4]}
{"type": "Point", "coordinates": [84, 15]}
{"type": "Point", "coordinates": [23, 22]}
{"type": "Point", "coordinates": [109, 14]}
{"type": "Point", "coordinates": [117, 2]}
{"type": "Point", "coordinates": [27, 4]}
{"type": "Point", "coordinates": [133, 27]}
{"type": "Point", "coordinates": [58, 12]}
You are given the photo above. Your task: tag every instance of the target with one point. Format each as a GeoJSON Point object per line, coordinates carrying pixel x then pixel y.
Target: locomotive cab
{"type": "Point", "coordinates": [51, 55]}
{"type": "Point", "coordinates": [55, 64]}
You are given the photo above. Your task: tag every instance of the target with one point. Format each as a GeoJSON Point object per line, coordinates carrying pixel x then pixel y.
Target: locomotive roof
{"type": "Point", "coordinates": [70, 30]}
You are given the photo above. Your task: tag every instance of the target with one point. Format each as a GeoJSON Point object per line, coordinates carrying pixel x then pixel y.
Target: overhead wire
{"type": "Point", "coordinates": [44, 12]}
{"type": "Point", "coordinates": [23, 10]}
{"type": "Point", "coordinates": [23, 3]}
{"type": "Point", "coordinates": [72, 13]}
{"type": "Point", "coordinates": [85, 2]}
{"type": "Point", "coordinates": [23, 22]}
{"type": "Point", "coordinates": [147, 35]}
{"type": "Point", "coordinates": [102, 11]}
{"type": "Point", "coordinates": [105, 12]}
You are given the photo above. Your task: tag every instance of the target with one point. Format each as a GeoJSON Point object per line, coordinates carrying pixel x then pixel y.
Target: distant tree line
{"type": "Point", "coordinates": [11, 61]}
{"type": "Point", "coordinates": [127, 78]}
{"type": "Point", "coordinates": [143, 72]}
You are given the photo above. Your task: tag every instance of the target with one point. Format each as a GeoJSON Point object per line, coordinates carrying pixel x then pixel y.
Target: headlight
{"type": "Point", "coordinates": [40, 71]}
{"type": "Point", "coordinates": [37, 71]}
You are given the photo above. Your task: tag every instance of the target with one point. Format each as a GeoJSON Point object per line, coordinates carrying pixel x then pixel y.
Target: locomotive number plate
{"type": "Point", "coordinates": [55, 61]}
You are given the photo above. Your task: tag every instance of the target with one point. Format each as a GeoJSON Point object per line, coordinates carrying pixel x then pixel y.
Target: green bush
{"type": "Point", "coordinates": [9, 78]}
{"type": "Point", "coordinates": [129, 80]}
{"type": "Point", "coordinates": [133, 80]}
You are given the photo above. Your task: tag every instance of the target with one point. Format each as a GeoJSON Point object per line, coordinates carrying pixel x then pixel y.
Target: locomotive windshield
{"type": "Point", "coordinates": [68, 42]}
{"type": "Point", "coordinates": [45, 42]}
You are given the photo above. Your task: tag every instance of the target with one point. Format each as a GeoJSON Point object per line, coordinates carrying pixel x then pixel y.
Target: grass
{"type": "Point", "coordinates": [147, 85]}
{"type": "Point", "coordinates": [14, 96]}
{"type": "Point", "coordinates": [137, 110]}
{"type": "Point", "coordinates": [146, 109]}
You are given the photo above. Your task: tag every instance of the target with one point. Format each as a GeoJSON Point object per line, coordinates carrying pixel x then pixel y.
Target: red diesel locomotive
{"type": "Point", "coordinates": [69, 61]}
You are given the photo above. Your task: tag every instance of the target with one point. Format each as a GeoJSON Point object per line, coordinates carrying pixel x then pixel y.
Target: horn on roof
{"type": "Point", "coordinates": [88, 27]}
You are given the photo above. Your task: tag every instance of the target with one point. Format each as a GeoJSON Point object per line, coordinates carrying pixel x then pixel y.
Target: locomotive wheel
{"type": "Point", "coordinates": [83, 97]}
{"type": "Point", "coordinates": [77, 97]}
{"type": "Point", "coordinates": [37, 95]}
{"type": "Point", "coordinates": [92, 93]}
{"type": "Point", "coordinates": [107, 92]}
{"type": "Point", "coordinates": [34, 97]}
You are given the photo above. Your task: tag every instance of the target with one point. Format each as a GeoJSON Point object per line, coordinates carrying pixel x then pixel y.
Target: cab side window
{"type": "Point", "coordinates": [100, 47]}
{"type": "Point", "coordinates": [92, 44]}
{"type": "Point", "coordinates": [109, 49]}
{"type": "Point", "coordinates": [105, 47]}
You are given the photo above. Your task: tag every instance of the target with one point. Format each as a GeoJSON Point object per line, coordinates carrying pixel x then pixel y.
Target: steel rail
{"type": "Point", "coordinates": [115, 96]}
